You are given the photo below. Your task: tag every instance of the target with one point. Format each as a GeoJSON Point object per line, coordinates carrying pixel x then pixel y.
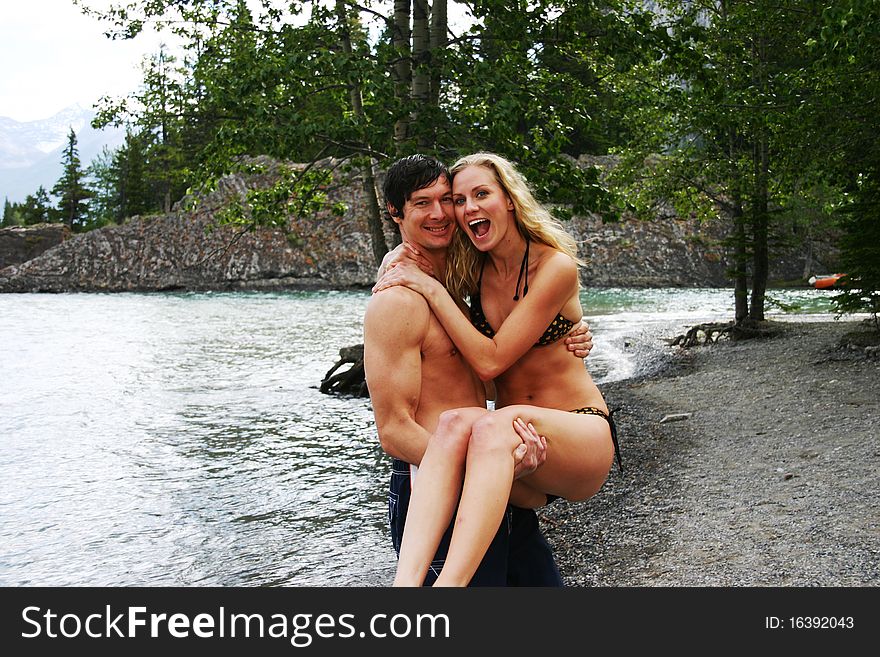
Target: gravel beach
{"type": "Point", "coordinates": [767, 477]}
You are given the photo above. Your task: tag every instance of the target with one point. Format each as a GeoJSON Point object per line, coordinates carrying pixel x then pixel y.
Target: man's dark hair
{"type": "Point", "coordinates": [408, 175]}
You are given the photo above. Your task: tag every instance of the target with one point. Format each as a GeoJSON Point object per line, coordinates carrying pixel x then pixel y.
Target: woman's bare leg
{"type": "Point", "coordinates": [435, 493]}
{"type": "Point", "coordinates": [486, 490]}
{"type": "Point", "coordinates": [579, 454]}
{"type": "Point", "coordinates": [579, 451]}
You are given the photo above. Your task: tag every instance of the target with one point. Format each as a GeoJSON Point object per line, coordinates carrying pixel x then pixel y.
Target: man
{"type": "Point", "coordinates": [414, 372]}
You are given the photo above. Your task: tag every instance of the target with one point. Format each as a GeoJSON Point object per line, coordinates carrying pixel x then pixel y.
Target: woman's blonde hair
{"type": "Point", "coordinates": [533, 221]}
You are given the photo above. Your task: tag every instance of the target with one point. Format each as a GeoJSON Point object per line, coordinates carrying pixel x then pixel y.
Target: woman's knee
{"type": "Point", "coordinates": [453, 429]}
{"type": "Point", "coordinates": [494, 433]}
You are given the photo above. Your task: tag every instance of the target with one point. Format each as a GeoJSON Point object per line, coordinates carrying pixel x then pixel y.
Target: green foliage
{"type": "Point", "coordinates": [844, 122]}
{"type": "Point", "coordinates": [861, 252]}
{"type": "Point", "coordinates": [526, 85]}
{"type": "Point", "coordinates": [9, 218]}
{"type": "Point", "coordinates": [71, 191]}
{"type": "Point", "coordinates": [102, 181]}
{"type": "Point", "coordinates": [758, 114]}
{"type": "Point", "coordinates": [713, 120]}
{"type": "Point", "coordinates": [36, 209]}
{"type": "Point", "coordinates": [296, 192]}
{"type": "Point", "coordinates": [134, 192]}
{"type": "Point", "coordinates": [254, 84]}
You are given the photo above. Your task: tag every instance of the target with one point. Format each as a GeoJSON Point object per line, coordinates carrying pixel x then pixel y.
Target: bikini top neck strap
{"type": "Point", "coordinates": [482, 267]}
{"type": "Point", "coordinates": [523, 270]}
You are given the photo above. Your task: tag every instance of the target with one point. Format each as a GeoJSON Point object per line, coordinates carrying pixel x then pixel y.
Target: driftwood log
{"type": "Point", "coordinates": [705, 333]}
{"type": "Point", "coordinates": [711, 332]}
{"type": "Point", "coordinates": [350, 381]}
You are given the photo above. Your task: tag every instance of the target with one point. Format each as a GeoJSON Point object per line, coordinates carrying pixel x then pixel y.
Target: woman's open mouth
{"type": "Point", "coordinates": [479, 227]}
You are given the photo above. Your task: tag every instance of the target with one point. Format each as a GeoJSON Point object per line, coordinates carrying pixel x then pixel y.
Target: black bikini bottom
{"type": "Point", "coordinates": [591, 410]}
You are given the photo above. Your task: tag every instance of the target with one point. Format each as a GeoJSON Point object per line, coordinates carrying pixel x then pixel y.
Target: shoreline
{"type": "Point", "coordinates": [769, 480]}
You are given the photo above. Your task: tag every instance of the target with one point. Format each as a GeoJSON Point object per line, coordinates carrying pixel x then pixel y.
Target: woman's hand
{"type": "Point", "coordinates": [408, 275]}
{"type": "Point", "coordinates": [405, 252]}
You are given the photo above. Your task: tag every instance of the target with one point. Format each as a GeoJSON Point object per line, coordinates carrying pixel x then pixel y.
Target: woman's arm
{"type": "Point", "coordinates": [528, 320]}
{"type": "Point", "coordinates": [404, 252]}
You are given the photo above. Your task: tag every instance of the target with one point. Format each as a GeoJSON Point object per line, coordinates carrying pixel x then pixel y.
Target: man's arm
{"type": "Point", "coordinates": [580, 340]}
{"type": "Point", "coordinates": [395, 324]}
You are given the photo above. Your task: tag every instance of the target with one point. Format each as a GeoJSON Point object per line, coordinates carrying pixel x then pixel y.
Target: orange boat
{"type": "Point", "coordinates": [825, 281]}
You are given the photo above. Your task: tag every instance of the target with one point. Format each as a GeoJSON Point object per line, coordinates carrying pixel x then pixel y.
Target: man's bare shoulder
{"type": "Point", "coordinates": [400, 305]}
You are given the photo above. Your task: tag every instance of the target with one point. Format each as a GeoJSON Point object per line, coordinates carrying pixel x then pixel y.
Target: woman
{"type": "Point", "coordinates": [519, 268]}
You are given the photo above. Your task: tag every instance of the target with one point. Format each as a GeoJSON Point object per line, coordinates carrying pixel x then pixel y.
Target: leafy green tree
{"type": "Point", "coordinates": [751, 112]}
{"type": "Point", "coordinates": [861, 254]}
{"type": "Point", "coordinates": [525, 82]}
{"type": "Point", "coordinates": [841, 125]}
{"type": "Point", "coordinates": [305, 89]}
{"type": "Point", "coordinates": [71, 190]}
{"type": "Point", "coordinates": [712, 122]}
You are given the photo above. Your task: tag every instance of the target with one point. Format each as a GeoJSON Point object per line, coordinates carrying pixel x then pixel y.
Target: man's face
{"type": "Point", "coordinates": [428, 219]}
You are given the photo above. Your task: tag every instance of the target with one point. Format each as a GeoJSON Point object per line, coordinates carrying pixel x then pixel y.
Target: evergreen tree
{"type": "Point", "coordinates": [70, 189]}
{"type": "Point", "coordinates": [103, 206]}
{"type": "Point", "coordinates": [129, 170]}
{"type": "Point", "coordinates": [36, 208]}
{"type": "Point", "coordinates": [9, 218]}
{"type": "Point", "coordinates": [121, 185]}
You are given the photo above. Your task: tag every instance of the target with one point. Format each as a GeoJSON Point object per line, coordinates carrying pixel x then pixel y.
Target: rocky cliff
{"type": "Point", "coordinates": [183, 250]}
{"type": "Point", "coordinates": [186, 250]}
{"type": "Point", "coordinates": [21, 243]}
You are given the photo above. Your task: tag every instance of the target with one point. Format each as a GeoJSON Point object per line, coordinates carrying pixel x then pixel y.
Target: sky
{"type": "Point", "coordinates": [54, 57]}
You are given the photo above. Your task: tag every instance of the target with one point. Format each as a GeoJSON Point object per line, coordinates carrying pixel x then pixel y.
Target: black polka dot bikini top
{"type": "Point", "coordinates": [559, 327]}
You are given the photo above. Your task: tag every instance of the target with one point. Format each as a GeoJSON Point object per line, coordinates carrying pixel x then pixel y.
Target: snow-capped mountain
{"type": "Point", "coordinates": [30, 151]}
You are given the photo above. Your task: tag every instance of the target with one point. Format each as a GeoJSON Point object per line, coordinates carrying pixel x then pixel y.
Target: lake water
{"type": "Point", "coordinates": [180, 439]}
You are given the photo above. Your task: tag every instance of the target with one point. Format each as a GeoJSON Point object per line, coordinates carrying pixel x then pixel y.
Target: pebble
{"type": "Point", "coordinates": [674, 417]}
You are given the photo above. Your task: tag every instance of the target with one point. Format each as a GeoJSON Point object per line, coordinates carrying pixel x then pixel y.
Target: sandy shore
{"type": "Point", "coordinates": [771, 480]}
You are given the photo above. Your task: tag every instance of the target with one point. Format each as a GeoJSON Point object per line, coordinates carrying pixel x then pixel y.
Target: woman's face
{"type": "Point", "coordinates": [482, 208]}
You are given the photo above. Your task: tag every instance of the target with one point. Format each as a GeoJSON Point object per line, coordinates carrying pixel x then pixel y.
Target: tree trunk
{"type": "Point", "coordinates": [439, 25]}
{"type": "Point", "coordinates": [740, 258]}
{"type": "Point", "coordinates": [355, 92]}
{"type": "Point", "coordinates": [421, 78]}
{"type": "Point", "coordinates": [808, 256]}
{"type": "Point", "coordinates": [740, 246]}
{"type": "Point", "coordinates": [402, 71]}
{"type": "Point", "coordinates": [760, 222]}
